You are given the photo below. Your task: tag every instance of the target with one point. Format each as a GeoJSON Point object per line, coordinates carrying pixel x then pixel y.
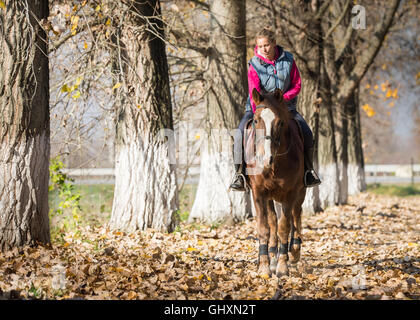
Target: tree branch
{"type": "Point", "coordinates": [366, 59]}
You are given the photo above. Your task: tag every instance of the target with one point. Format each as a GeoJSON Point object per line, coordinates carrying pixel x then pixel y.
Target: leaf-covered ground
{"type": "Point", "coordinates": [368, 249]}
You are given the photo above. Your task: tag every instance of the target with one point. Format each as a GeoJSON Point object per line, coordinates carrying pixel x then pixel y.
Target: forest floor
{"type": "Point", "coordinates": [368, 249]}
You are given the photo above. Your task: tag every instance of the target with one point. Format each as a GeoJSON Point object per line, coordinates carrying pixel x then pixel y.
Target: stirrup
{"type": "Point", "coordinates": [239, 175]}
{"type": "Point", "coordinates": [316, 181]}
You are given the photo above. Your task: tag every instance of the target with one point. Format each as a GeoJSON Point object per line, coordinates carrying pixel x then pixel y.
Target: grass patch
{"type": "Point", "coordinates": [96, 204]}
{"type": "Point", "coordinates": [395, 190]}
{"type": "Point", "coordinates": [95, 210]}
{"type": "Point", "coordinates": [186, 200]}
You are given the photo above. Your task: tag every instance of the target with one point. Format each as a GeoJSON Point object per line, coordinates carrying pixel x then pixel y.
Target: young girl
{"type": "Point", "coordinates": [271, 68]}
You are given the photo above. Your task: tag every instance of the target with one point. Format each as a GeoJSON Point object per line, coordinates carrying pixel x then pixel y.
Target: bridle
{"type": "Point", "coordinates": [268, 137]}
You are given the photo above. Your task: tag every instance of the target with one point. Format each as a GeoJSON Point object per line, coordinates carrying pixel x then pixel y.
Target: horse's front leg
{"type": "Point", "coordinates": [283, 234]}
{"type": "Point", "coordinates": [296, 239]}
{"type": "Point", "coordinates": [263, 234]}
{"type": "Point", "coordinates": [272, 242]}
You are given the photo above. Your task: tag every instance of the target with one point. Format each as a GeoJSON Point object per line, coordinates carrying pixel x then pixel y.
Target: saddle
{"type": "Point", "coordinates": [250, 136]}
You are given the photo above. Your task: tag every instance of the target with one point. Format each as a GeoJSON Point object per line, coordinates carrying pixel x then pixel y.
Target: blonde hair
{"type": "Point", "coordinates": [266, 33]}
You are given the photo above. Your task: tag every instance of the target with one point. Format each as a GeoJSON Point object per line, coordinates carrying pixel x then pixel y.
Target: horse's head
{"type": "Point", "coordinates": [270, 116]}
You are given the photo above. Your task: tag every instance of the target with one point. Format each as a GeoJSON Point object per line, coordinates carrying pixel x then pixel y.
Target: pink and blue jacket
{"type": "Point", "coordinates": [281, 73]}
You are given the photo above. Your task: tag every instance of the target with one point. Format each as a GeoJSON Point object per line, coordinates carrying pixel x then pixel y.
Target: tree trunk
{"type": "Point", "coordinates": [145, 193]}
{"type": "Point", "coordinates": [356, 166]}
{"type": "Point", "coordinates": [309, 109]}
{"type": "Point", "coordinates": [327, 150]}
{"type": "Point", "coordinates": [226, 99]}
{"type": "Point", "coordinates": [24, 125]}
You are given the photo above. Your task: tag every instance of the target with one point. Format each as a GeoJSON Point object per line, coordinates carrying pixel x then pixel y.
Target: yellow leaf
{"type": "Point", "coordinates": [376, 87]}
{"type": "Point", "coordinates": [65, 88]}
{"type": "Point", "coordinates": [190, 249]}
{"type": "Point", "coordinates": [384, 66]}
{"type": "Point", "coordinates": [388, 93]}
{"type": "Point", "coordinates": [116, 86]}
{"type": "Point", "coordinates": [2, 5]}
{"type": "Point", "coordinates": [66, 245]}
{"type": "Point", "coordinates": [200, 243]}
{"type": "Point", "coordinates": [392, 103]}
{"type": "Point", "coordinates": [395, 93]}
{"type": "Point", "coordinates": [74, 21]}
{"type": "Point", "coordinates": [85, 45]}
{"type": "Point", "coordinates": [131, 295]}
{"type": "Point", "coordinates": [98, 8]}
{"type": "Point", "coordinates": [197, 136]}
{"type": "Point", "coordinates": [368, 86]}
{"type": "Point", "coordinates": [76, 95]}
{"type": "Point", "coordinates": [78, 80]}
{"type": "Point", "coordinates": [412, 244]}
{"type": "Point", "coordinates": [265, 276]}
{"type": "Point", "coordinates": [369, 110]}
{"type": "Point", "coordinates": [108, 22]}
{"type": "Point", "coordinates": [139, 106]}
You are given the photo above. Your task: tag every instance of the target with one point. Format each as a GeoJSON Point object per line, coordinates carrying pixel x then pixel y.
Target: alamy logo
{"type": "Point", "coordinates": [359, 20]}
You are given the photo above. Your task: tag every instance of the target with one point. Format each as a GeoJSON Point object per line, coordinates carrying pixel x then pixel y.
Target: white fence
{"type": "Point", "coordinates": [392, 173]}
{"type": "Point", "coordinates": [375, 173]}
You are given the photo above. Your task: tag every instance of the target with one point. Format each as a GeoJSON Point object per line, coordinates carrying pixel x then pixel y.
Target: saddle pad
{"type": "Point", "coordinates": [249, 143]}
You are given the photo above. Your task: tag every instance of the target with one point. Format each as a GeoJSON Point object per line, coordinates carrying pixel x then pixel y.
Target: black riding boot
{"type": "Point", "coordinates": [310, 178]}
{"type": "Point", "coordinates": [238, 183]}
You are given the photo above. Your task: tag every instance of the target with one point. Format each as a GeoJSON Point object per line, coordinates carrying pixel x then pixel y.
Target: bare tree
{"type": "Point", "coordinates": [225, 102]}
{"type": "Point", "coordinates": [145, 193]}
{"type": "Point", "coordinates": [24, 124]}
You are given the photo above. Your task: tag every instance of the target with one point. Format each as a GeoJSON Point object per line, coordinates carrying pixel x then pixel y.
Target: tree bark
{"type": "Point", "coordinates": [145, 193]}
{"type": "Point", "coordinates": [309, 108]}
{"type": "Point", "coordinates": [227, 76]}
{"type": "Point", "coordinates": [24, 125]}
{"type": "Point", "coordinates": [356, 166]}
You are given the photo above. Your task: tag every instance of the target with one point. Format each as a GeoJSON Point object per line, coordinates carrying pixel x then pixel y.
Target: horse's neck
{"type": "Point", "coordinates": [285, 135]}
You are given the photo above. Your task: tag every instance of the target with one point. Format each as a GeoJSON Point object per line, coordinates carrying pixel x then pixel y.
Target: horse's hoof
{"type": "Point", "coordinates": [282, 270]}
{"type": "Point", "coordinates": [264, 272]}
{"type": "Point", "coordinates": [294, 257]}
{"type": "Point", "coordinates": [280, 274]}
{"type": "Point", "coordinates": [273, 265]}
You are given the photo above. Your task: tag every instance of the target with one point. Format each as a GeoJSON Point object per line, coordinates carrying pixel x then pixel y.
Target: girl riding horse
{"type": "Point", "coordinates": [273, 68]}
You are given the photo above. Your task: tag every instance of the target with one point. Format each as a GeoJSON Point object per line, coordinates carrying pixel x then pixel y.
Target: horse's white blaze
{"type": "Point", "coordinates": [268, 116]}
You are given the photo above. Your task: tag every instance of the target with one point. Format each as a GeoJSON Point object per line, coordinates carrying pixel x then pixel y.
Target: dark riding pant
{"type": "Point", "coordinates": [307, 132]}
{"type": "Point", "coordinates": [238, 144]}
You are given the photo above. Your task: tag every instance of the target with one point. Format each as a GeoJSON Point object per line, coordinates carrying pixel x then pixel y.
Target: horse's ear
{"type": "Point", "coordinates": [278, 94]}
{"type": "Point", "coordinates": [256, 97]}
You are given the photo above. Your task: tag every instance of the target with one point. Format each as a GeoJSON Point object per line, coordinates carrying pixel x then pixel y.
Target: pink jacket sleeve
{"type": "Point", "coordinates": [295, 83]}
{"type": "Point", "coordinates": [253, 82]}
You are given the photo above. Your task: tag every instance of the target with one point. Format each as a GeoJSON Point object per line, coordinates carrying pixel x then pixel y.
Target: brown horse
{"type": "Point", "coordinates": [279, 158]}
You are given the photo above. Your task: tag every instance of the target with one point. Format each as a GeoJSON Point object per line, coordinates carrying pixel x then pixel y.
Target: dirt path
{"type": "Point", "coordinates": [368, 249]}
